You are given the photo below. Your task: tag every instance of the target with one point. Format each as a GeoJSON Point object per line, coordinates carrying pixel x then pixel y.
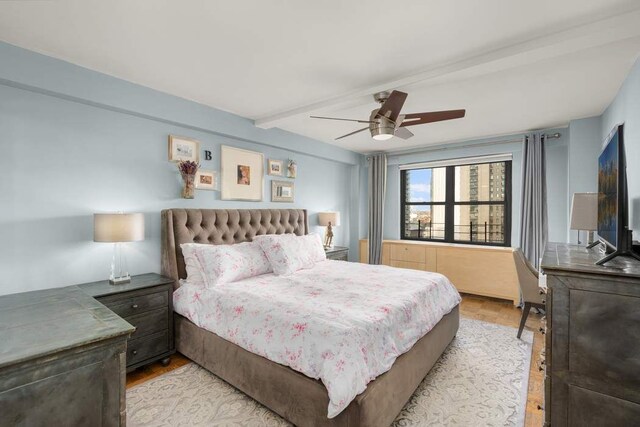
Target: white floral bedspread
{"type": "Point", "coordinates": [341, 322]}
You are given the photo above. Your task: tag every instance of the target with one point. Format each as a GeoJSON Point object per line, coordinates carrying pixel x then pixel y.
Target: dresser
{"type": "Point", "coordinates": [147, 304]}
{"type": "Point", "coordinates": [62, 360]}
{"type": "Point", "coordinates": [592, 364]}
{"type": "Point", "coordinates": [473, 269]}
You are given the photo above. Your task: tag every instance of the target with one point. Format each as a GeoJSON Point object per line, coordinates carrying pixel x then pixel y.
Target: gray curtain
{"type": "Point", "coordinates": [533, 230]}
{"type": "Point", "coordinates": [377, 191]}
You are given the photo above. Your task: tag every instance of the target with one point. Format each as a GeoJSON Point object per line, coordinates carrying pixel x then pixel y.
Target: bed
{"type": "Point", "coordinates": [296, 397]}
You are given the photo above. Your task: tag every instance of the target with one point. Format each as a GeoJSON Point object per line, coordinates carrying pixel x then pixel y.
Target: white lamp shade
{"type": "Point", "coordinates": [584, 211]}
{"type": "Point", "coordinates": [118, 227]}
{"type": "Point", "coordinates": [325, 217]}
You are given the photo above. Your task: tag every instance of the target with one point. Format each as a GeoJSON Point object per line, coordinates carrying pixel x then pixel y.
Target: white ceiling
{"type": "Point", "coordinates": [514, 65]}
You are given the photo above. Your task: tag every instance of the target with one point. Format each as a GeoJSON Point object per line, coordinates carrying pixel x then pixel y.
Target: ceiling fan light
{"type": "Point", "coordinates": [383, 136]}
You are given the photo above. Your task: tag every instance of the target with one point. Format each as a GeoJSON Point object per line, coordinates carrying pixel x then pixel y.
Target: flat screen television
{"type": "Point", "coordinates": [613, 202]}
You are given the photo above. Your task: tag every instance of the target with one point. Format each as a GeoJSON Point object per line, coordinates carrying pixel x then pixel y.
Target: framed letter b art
{"type": "Point", "coordinates": [242, 174]}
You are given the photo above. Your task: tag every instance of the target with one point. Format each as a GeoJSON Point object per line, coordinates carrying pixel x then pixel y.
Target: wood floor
{"type": "Point", "coordinates": [474, 307]}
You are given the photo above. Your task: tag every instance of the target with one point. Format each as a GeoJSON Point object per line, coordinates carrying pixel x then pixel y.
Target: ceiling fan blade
{"type": "Point", "coordinates": [344, 120]}
{"type": "Point", "coordinates": [352, 133]}
{"type": "Point", "coordinates": [433, 116]}
{"type": "Point", "coordinates": [392, 106]}
{"type": "Point", "coordinates": [403, 133]}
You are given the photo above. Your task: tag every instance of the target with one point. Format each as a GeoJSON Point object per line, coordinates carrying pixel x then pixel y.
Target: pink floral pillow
{"type": "Point", "coordinates": [229, 263]}
{"type": "Point", "coordinates": [288, 253]}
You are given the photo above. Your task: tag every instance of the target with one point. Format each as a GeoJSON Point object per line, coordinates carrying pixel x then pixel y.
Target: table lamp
{"type": "Point", "coordinates": [584, 214]}
{"type": "Point", "coordinates": [118, 228]}
{"type": "Point", "coordinates": [329, 220]}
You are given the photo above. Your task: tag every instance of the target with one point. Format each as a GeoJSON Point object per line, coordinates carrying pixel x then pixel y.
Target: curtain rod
{"type": "Point", "coordinates": [482, 144]}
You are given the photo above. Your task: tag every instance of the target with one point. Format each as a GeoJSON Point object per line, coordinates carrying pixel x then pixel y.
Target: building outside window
{"type": "Point", "coordinates": [461, 203]}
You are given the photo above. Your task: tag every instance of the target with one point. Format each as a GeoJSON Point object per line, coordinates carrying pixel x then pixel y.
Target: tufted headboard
{"type": "Point", "coordinates": [221, 226]}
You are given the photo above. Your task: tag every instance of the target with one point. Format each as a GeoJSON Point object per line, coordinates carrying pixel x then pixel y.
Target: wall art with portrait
{"type": "Point", "coordinates": [242, 174]}
{"type": "Point", "coordinates": [206, 180]}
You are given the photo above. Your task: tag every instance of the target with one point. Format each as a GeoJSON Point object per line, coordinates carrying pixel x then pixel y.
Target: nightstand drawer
{"type": "Point", "coordinates": [144, 348]}
{"type": "Point", "coordinates": [149, 322]}
{"type": "Point", "coordinates": [338, 256]}
{"type": "Point", "coordinates": [125, 306]}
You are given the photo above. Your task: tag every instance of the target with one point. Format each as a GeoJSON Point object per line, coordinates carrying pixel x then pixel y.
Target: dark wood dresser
{"type": "Point", "coordinates": [147, 304]}
{"type": "Point", "coordinates": [62, 360]}
{"type": "Point", "coordinates": [592, 358]}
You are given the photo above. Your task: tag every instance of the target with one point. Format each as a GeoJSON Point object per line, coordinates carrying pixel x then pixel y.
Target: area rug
{"type": "Point", "coordinates": [481, 380]}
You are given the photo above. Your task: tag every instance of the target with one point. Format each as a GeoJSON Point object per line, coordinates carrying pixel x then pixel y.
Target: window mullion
{"type": "Point", "coordinates": [449, 204]}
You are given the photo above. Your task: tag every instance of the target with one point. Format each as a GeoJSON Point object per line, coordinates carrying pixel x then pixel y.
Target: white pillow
{"type": "Point", "coordinates": [229, 263]}
{"type": "Point", "coordinates": [288, 253]}
{"type": "Point", "coordinates": [192, 265]}
{"type": "Point", "coordinates": [312, 245]}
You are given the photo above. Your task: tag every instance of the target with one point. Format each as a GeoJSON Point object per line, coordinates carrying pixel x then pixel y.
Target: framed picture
{"type": "Point", "coordinates": [183, 149]}
{"type": "Point", "coordinates": [292, 169]}
{"type": "Point", "coordinates": [274, 167]}
{"type": "Point", "coordinates": [281, 191]}
{"type": "Point", "coordinates": [206, 180]}
{"type": "Point", "coordinates": [242, 174]}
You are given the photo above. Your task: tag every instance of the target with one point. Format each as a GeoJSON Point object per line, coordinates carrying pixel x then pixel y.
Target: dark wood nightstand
{"type": "Point", "coordinates": [338, 253]}
{"type": "Point", "coordinates": [147, 304]}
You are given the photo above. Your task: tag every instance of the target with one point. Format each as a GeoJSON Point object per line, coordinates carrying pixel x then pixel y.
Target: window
{"type": "Point", "coordinates": [464, 203]}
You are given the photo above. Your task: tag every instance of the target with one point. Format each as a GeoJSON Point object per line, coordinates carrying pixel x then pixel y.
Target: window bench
{"type": "Point", "coordinates": [479, 270]}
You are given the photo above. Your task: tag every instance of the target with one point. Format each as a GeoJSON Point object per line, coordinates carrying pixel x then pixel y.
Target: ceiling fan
{"type": "Point", "coordinates": [386, 122]}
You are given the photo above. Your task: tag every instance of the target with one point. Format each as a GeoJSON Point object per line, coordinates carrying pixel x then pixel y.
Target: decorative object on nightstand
{"type": "Point", "coordinates": [584, 214]}
{"type": "Point", "coordinates": [329, 220]}
{"type": "Point", "coordinates": [118, 228]}
{"type": "Point", "coordinates": [338, 253]}
{"type": "Point", "coordinates": [146, 303]}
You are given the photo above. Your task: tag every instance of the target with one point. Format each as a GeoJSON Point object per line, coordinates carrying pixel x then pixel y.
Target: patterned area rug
{"type": "Point", "coordinates": [481, 380]}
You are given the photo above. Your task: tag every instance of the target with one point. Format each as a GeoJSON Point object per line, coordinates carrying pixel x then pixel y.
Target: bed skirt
{"type": "Point", "coordinates": [303, 400]}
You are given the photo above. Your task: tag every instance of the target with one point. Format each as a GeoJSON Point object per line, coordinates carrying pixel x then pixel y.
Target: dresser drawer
{"type": "Point", "coordinates": [408, 253]}
{"type": "Point", "coordinates": [147, 347]}
{"type": "Point", "coordinates": [149, 322]}
{"type": "Point", "coordinates": [127, 305]}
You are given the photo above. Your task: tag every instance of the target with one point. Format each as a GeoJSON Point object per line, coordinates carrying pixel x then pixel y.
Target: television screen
{"type": "Point", "coordinates": [608, 164]}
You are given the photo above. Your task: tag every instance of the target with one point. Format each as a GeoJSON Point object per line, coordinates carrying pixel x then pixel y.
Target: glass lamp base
{"type": "Point", "coordinates": [120, 280]}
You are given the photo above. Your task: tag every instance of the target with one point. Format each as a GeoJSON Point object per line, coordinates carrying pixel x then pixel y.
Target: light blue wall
{"type": "Point", "coordinates": [75, 142]}
{"type": "Point", "coordinates": [584, 148]}
{"type": "Point", "coordinates": [556, 173]}
{"type": "Point", "coordinates": [626, 108]}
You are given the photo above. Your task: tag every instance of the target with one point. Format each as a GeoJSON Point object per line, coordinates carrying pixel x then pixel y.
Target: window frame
{"type": "Point", "coordinates": [450, 204]}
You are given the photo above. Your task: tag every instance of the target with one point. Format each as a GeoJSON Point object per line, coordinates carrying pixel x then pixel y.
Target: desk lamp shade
{"type": "Point", "coordinates": [584, 211]}
{"type": "Point", "coordinates": [118, 228]}
{"type": "Point", "coordinates": [584, 214]}
{"type": "Point", "coordinates": [324, 218]}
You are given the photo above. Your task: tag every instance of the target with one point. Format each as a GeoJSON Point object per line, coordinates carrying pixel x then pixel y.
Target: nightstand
{"type": "Point", "coordinates": [147, 304]}
{"type": "Point", "coordinates": [338, 253]}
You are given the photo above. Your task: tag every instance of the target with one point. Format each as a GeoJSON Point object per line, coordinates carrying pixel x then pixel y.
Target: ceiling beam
{"type": "Point", "coordinates": [583, 35]}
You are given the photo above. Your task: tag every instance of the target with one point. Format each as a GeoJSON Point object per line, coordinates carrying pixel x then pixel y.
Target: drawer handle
{"type": "Point", "coordinates": [134, 306]}
{"type": "Point", "coordinates": [134, 352]}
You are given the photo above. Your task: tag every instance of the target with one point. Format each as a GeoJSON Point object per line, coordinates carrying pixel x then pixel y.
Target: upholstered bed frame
{"type": "Point", "coordinates": [294, 396]}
